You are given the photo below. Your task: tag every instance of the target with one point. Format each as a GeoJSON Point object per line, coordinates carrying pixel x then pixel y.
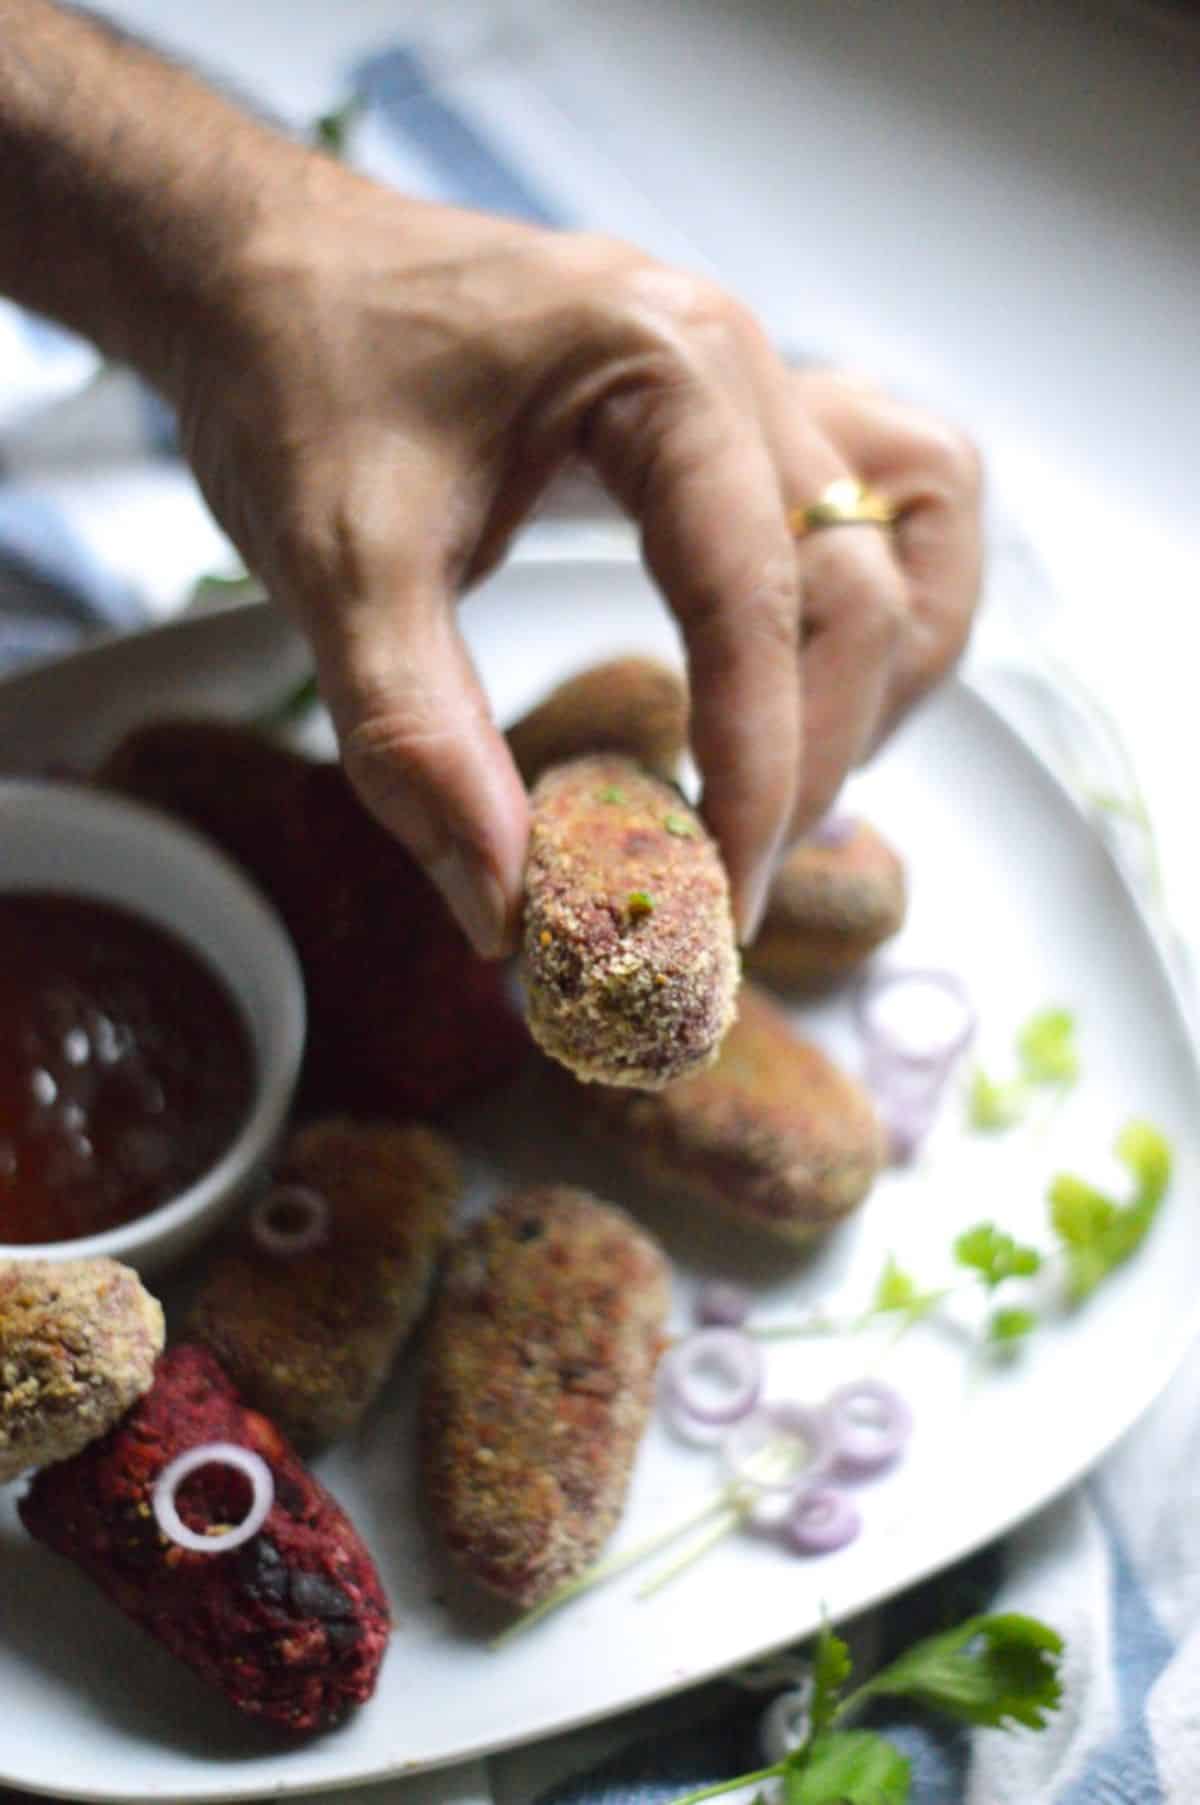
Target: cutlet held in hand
{"type": "Point", "coordinates": [630, 962]}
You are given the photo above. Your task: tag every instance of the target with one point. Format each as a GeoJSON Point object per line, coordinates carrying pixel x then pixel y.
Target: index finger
{"type": "Point", "coordinates": [695, 470]}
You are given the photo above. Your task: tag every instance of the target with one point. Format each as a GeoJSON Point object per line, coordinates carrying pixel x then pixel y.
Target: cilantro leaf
{"type": "Point", "coordinates": [1097, 1233]}
{"type": "Point", "coordinates": [994, 1255]}
{"type": "Point", "coordinates": [331, 131]}
{"type": "Point", "coordinates": [993, 1104]}
{"type": "Point", "coordinates": [1147, 1153]}
{"type": "Point", "coordinates": [898, 1291]}
{"type": "Point", "coordinates": [1046, 1054]}
{"type": "Point", "coordinates": [831, 1670]}
{"type": "Point", "coordinates": [1006, 1327]}
{"type": "Point", "coordinates": [990, 1670]}
{"type": "Point", "coordinates": [1046, 1048]}
{"type": "Point", "coordinates": [849, 1767]}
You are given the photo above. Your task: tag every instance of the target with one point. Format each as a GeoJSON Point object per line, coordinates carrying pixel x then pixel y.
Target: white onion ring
{"type": "Point", "coordinates": [799, 1433]}
{"type": "Point", "coordinates": [786, 1722]}
{"type": "Point", "coordinates": [866, 1442]}
{"type": "Point", "coordinates": [905, 1073]}
{"type": "Point", "coordinates": [313, 1229]}
{"type": "Point", "coordinates": [890, 1042]}
{"type": "Point", "coordinates": [822, 1520]}
{"type": "Point", "coordinates": [222, 1454]}
{"type": "Point", "coordinates": [738, 1362]}
{"type": "Point", "coordinates": [722, 1305]}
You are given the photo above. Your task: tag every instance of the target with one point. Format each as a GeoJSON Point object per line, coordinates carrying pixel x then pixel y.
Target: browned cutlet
{"type": "Point", "coordinates": [308, 1338]}
{"type": "Point", "coordinates": [630, 963]}
{"type": "Point", "coordinates": [78, 1342]}
{"type": "Point", "coordinates": [773, 1136]}
{"type": "Point", "coordinates": [829, 908]}
{"type": "Point", "coordinates": [635, 706]}
{"type": "Point", "coordinates": [538, 1379]}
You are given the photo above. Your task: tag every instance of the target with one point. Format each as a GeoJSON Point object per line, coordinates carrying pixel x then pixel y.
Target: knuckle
{"type": "Point", "coordinates": [953, 459]}
{"type": "Point", "coordinates": [761, 613]}
{"type": "Point", "coordinates": [861, 588]}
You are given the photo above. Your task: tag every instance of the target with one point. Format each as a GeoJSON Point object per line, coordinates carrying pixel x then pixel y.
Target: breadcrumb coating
{"type": "Point", "coordinates": [634, 706]}
{"type": "Point", "coordinates": [78, 1342]}
{"type": "Point", "coordinates": [773, 1135]}
{"type": "Point", "coordinates": [309, 1338]}
{"type": "Point", "coordinates": [538, 1379]}
{"type": "Point", "coordinates": [630, 961]}
{"type": "Point", "coordinates": [829, 909]}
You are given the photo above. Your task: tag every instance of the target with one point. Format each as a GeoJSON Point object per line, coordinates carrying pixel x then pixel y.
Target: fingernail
{"type": "Point", "coordinates": [475, 898]}
{"type": "Point", "coordinates": [752, 904]}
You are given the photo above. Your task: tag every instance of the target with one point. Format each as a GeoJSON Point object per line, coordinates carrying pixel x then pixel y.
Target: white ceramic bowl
{"type": "Point", "coordinates": [59, 836]}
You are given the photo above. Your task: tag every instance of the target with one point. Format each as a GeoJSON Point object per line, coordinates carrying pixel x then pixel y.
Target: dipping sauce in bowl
{"type": "Point", "coordinates": [125, 1067]}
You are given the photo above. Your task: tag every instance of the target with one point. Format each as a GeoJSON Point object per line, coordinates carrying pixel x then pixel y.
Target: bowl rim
{"type": "Point", "coordinates": [275, 1076]}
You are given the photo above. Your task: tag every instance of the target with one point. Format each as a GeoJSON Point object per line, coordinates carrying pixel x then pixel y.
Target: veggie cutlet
{"type": "Point", "coordinates": [634, 706]}
{"type": "Point", "coordinates": [307, 1327]}
{"type": "Point", "coordinates": [78, 1342]}
{"type": "Point", "coordinates": [629, 957]}
{"type": "Point", "coordinates": [293, 1624]}
{"type": "Point", "coordinates": [538, 1377]}
{"type": "Point", "coordinates": [834, 900]}
{"type": "Point", "coordinates": [773, 1135]}
{"type": "Point", "coordinates": [403, 1018]}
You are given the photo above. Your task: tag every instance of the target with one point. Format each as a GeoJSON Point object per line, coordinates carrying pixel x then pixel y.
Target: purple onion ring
{"type": "Point", "coordinates": [821, 1520]}
{"type": "Point", "coordinates": [722, 1305]}
{"type": "Point", "coordinates": [779, 1446]}
{"type": "Point", "coordinates": [833, 831]}
{"type": "Point", "coordinates": [734, 1360]}
{"type": "Point", "coordinates": [889, 1043]}
{"type": "Point", "coordinates": [289, 1220]}
{"type": "Point", "coordinates": [871, 1425]}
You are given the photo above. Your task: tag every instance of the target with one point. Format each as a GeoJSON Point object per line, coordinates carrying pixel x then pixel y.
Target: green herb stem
{"type": "Point", "coordinates": [601, 1571]}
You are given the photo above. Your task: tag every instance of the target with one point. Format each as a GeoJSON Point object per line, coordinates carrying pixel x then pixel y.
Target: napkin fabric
{"type": "Point", "coordinates": [101, 529]}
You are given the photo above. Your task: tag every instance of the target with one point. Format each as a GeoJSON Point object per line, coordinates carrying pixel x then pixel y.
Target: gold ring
{"type": "Point", "coordinates": [846, 502]}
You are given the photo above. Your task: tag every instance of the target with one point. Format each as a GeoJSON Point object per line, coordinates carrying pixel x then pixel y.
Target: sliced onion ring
{"type": "Point", "coordinates": [871, 1425]}
{"type": "Point", "coordinates": [779, 1446]}
{"type": "Point", "coordinates": [893, 1009]}
{"type": "Point", "coordinates": [213, 1454]}
{"type": "Point", "coordinates": [304, 1225]}
{"type": "Point", "coordinates": [720, 1304]}
{"type": "Point", "coordinates": [821, 1520]}
{"type": "Point", "coordinates": [734, 1360]}
{"type": "Point", "coordinates": [833, 831]}
{"type": "Point", "coordinates": [786, 1723]}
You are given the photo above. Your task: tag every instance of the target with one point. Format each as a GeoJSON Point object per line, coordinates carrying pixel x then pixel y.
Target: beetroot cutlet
{"type": "Point", "coordinates": [293, 1625]}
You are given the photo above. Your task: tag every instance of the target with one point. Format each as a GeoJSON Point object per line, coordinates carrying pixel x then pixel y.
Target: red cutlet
{"type": "Point", "coordinates": [292, 1625]}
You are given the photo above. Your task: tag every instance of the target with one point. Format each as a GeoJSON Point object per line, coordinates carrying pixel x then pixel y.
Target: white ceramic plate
{"type": "Point", "coordinates": [1010, 890]}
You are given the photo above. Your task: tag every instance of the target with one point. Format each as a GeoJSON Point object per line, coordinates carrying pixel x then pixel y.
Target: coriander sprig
{"type": "Point", "coordinates": [996, 1671]}
{"type": "Point", "coordinates": [1047, 1059]}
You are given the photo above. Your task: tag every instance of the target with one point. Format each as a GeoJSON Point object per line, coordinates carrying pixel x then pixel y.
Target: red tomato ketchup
{"type": "Point", "coordinates": [125, 1067]}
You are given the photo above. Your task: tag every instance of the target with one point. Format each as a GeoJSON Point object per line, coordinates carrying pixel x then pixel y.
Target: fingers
{"type": "Point", "coordinates": [416, 736]}
{"type": "Point", "coordinates": [690, 462]}
{"type": "Point", "coordinates": [932, 474]}
{"type": "Point", "coordinates": [854, 615]}
{"type": "Point", "coordinates": [856, 620]}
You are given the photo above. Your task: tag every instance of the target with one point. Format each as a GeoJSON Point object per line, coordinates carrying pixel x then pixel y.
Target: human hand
{"type": "Point", "coordinates": [385, 390]}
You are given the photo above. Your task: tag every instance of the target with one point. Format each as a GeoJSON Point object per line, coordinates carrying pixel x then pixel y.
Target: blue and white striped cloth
{"type": "Point", "coordinates": [101, 528]}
